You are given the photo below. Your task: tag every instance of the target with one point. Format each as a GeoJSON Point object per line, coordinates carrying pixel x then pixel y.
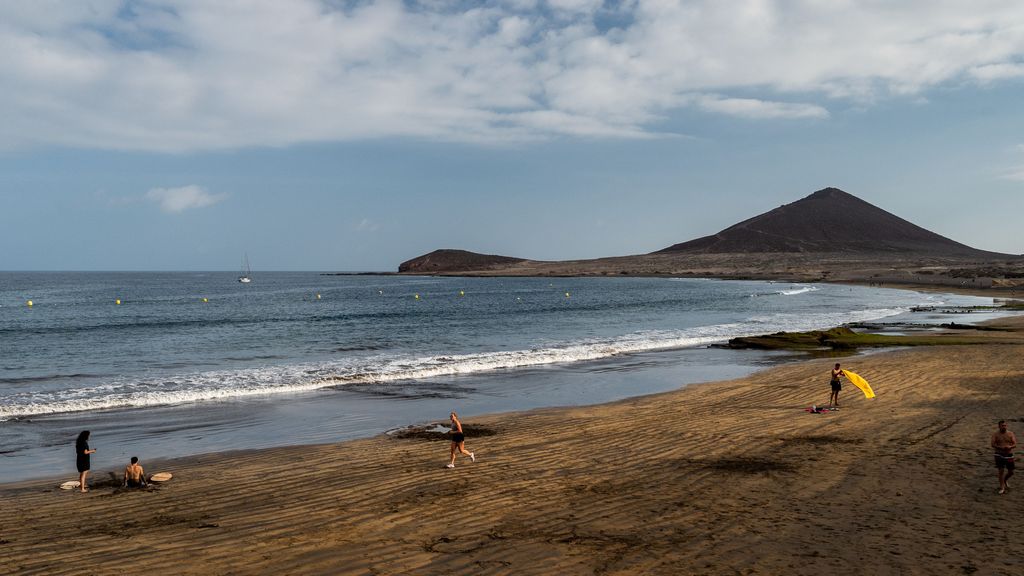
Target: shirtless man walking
{"type": "Point", "coordinates": [1004, 442]}
{"type": "Point", "coordinates": [134, 476]}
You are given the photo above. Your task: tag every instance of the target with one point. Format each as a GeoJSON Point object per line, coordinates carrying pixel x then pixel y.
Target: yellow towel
{"type": "Point", "coordinates": [860, 383]}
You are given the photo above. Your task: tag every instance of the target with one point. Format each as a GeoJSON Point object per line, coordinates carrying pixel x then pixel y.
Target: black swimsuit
{"type": "Point", "coordinates": [457, 436]}
{"type": "Point", "coordinates": [1005, 461]}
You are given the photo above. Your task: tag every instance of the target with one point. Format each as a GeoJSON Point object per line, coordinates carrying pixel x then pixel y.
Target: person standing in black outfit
{"type": "Point", "coordinates": [82, 453]}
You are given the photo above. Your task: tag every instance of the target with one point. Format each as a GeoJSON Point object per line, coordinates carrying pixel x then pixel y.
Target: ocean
{"type": "Point", "coordinates": [192, 362]}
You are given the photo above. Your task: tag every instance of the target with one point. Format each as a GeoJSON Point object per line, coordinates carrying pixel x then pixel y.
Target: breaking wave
{"type": "Point", "coordinates": [125, 392]}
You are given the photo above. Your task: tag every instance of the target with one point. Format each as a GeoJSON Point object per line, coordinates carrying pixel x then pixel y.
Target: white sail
{"type": "Point", "coordinates": [246, 276]}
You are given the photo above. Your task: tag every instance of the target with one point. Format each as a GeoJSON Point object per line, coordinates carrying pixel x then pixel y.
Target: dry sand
{"type": "Point", "coordinates": [725, 478]}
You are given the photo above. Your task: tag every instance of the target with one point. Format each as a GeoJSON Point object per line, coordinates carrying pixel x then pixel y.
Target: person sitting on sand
{"type": "Point", "coordinates": [134, 476]}
{"type": "Point", "coordinates": [458, 441]}
{"type": "Point", "coordinates": [1004, 442]}
{"type": "Point", "coordinates": [82, 458]}
{"type": "Point", "coordinates": [836, 386]}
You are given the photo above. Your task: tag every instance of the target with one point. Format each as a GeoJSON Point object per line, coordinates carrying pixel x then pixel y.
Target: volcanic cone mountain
{"type": "Point", "coordinates": [829, 235]}
{"type": "Point", "coordinates": [827, 221]}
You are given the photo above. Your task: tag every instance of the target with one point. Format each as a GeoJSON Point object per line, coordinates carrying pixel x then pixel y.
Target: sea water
{"type": "Point", "coordinates": [198, 362]}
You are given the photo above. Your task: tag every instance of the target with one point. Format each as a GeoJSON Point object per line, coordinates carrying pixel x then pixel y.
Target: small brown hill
{"type": "Point", "coordinates": [440, 261]}
{"type": "Point", "coordinates": [827, 221]}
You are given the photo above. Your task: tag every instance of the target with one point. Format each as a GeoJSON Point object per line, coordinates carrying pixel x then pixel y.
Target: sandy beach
{"type": "Point", "coordinates": [265, 249]}
{"type": "Point", "coordinates": [722, 478]}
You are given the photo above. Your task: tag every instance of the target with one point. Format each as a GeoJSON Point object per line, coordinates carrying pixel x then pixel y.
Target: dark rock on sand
{"type": "Point", "coordinates": [430, 432]}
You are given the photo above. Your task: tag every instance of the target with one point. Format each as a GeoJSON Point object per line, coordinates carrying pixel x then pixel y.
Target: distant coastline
{"type": "Point", "coordinates": [358, 274]}
{"type": "Point", "coordinates": [796, 242]}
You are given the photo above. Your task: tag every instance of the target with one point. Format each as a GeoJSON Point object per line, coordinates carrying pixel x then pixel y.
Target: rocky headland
{"type": "Point", "coordinates": [829, 235]}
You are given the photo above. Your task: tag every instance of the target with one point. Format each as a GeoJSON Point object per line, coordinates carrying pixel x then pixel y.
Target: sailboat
{"type": "Point", "coordinates": [245, 278]}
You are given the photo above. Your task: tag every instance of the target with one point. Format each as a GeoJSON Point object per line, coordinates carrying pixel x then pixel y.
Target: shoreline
{"type": "Point", "coordinates": [182, 427]}
{"type": "Point", "coordinates": [996, 293]}
{"type": "Point", "coordinates": [792, 355]}
{"type": "Point", "coordinates": [718, 478]}
{"type": "Point", "coordinates": [334, 416]}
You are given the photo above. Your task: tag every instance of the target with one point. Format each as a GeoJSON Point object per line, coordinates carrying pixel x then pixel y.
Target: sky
{"type": "Point", "coordinates": [351, 135]}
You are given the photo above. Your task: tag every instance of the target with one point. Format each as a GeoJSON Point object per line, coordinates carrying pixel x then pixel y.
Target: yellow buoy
{"type": "Point", "coordinates": [417, 296]}
{"type": "Point", "coordinates": [566, 294]}
{"type": "Point", "coordinates": [317, 296]}
{"type": "Point", "coordinates": [29, 303]}
{"type": "Point", "coordinates": [118, 301]}
{"type": "Point", "coordinates": [461, 293]}
{"type": "Point", "coordinates": [205, 300]}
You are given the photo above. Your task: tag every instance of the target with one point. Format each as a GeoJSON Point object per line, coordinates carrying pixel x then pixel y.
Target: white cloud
{"type": "Point", "coordinates": [1001, 71]}
{"type": "Point", "coordinates": [761, 109]}
{"type": "Point", "coordinates": [183, 75]}
{"type": "Point", "coordinates": [176, 200]}
{"type": "Point", "coordinates": [575, 5]}
{"type": "Point", "coordinates": [367, 225]}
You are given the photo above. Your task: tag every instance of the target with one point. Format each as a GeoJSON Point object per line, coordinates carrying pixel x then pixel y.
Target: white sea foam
{"type": "Point", "coordinates": [799, 290]}
{"type": "Point", "coordinates": [294, 378]}
{"type": "Point", "coordinates": [796, 289]}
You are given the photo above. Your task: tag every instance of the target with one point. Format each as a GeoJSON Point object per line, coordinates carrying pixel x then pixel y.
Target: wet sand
{"type": "Point", "coordinates": [723, 478]}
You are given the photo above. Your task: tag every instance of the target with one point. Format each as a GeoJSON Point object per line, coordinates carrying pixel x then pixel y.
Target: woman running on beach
{"type": "Point", "coordinates": [458, 441]}
{"type": "Point", "coordinates": [82, 458]}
